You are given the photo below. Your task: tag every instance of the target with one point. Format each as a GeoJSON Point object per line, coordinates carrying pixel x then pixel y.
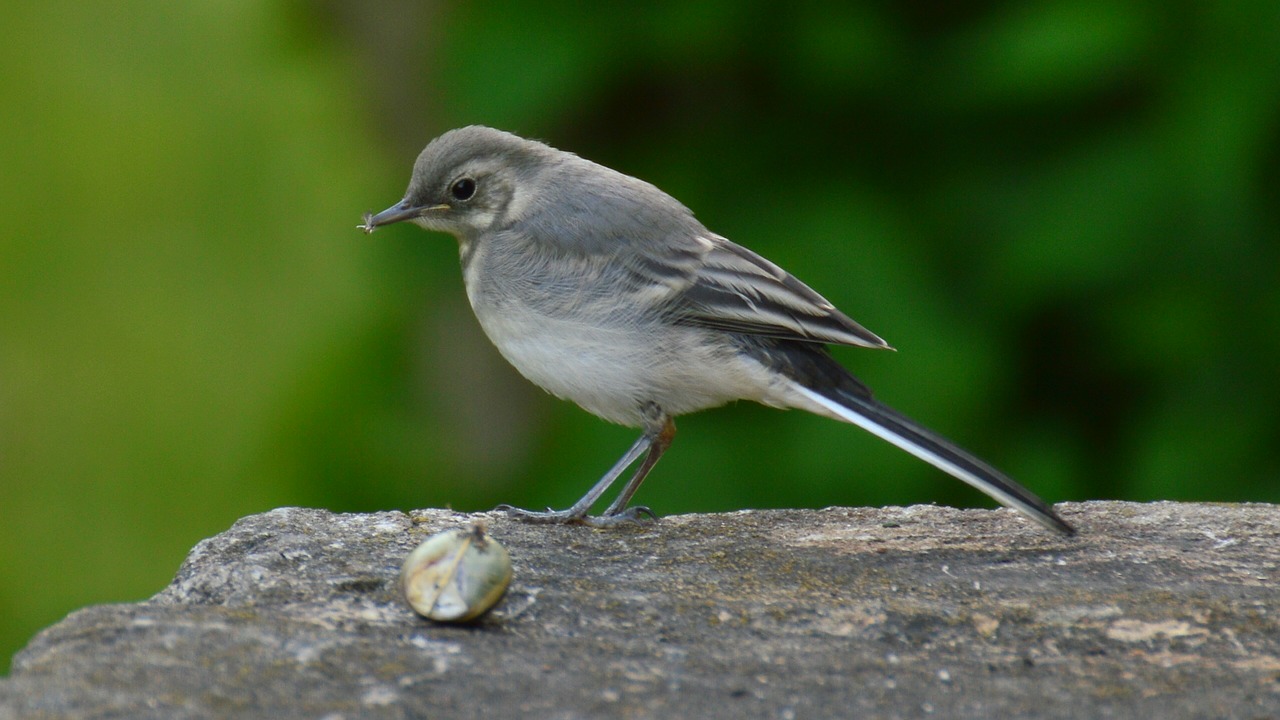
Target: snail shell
{"type": "Point", "coordinates": [456, 575]}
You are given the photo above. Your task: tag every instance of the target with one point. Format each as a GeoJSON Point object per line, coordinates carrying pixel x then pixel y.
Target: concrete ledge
{"type": "Point", "coordinates": [1155, 610]}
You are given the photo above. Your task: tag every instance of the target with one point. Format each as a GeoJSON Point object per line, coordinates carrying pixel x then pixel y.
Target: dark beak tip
{"type": "Point", "coordinates": [400, 212]}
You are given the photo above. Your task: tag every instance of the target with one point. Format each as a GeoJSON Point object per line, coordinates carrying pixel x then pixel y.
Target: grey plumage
{"type": "Point", "coordinates": [604, 290]}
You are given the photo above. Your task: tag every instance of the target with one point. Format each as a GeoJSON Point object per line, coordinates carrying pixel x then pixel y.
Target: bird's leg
{"type": "Point", "coordinates": [658, 444]}
{"type": "Point", "coordinates": [577, 513]}
{"type": "Point", "coordinates": [656, 439]}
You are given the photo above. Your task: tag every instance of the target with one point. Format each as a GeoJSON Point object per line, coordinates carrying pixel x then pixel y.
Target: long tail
{"type": "Point", "coordinates": [856, 406]}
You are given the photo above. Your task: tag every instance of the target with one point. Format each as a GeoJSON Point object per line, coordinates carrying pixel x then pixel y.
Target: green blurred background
{"type": "Point", "coordinates": [1065, 216]}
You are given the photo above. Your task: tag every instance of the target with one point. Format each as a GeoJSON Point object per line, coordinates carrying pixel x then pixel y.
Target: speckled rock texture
{"type": "Point", "coordinates": [1161, 610]}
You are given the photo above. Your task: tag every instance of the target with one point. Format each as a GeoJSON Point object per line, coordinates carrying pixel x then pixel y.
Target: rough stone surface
{"type": "Point", "coordinates": [1162, 610]}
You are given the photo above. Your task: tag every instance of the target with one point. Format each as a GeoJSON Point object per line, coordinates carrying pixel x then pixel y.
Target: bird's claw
{"type": "Point", "coordinates": [629, 516]}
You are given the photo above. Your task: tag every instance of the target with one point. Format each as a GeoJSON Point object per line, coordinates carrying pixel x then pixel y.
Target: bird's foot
{"type": "Point", "coordinates": [628, 516]}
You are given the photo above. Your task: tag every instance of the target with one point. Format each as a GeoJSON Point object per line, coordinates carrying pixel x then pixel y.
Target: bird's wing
{"type": "Point", "coordinates": [725, 286]}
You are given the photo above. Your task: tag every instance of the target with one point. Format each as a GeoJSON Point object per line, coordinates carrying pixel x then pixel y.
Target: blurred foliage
{"type": "Point", "coordinates": [1062, 214]}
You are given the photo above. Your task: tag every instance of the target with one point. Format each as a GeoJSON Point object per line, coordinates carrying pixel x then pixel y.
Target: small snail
{"type": "Point", "coordinates": [456, 575]}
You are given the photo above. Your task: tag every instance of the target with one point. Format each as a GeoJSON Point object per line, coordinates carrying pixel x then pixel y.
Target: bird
{"type": "Point", "coordinates": [606, 291]}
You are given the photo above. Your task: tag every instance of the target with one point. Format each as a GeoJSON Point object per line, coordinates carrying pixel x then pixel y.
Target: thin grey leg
{"type": "Point", "coordinates": [577, 513]}
{"type": "Point", "coordinates": [656, 439]}
{"type": "Point", "coordinates": [658, 445]}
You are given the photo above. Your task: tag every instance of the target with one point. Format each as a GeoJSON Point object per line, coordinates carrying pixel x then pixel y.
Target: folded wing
{"type": "Point", "coordinates": [732, 288]}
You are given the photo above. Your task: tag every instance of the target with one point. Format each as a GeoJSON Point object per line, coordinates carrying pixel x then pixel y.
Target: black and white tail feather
{"type": "Point", "coordinates": [888, 424]}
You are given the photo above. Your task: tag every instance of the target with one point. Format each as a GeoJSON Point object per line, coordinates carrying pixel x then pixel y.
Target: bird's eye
{"type": "Point", "coordinates": [462, 189]}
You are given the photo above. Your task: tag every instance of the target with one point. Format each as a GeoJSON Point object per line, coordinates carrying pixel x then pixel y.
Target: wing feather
{"type": "Point", "coordinates": [732, 288]}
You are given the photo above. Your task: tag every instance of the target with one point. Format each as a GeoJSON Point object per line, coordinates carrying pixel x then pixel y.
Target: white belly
{"type": "Point", "coordinates": [612, 371]}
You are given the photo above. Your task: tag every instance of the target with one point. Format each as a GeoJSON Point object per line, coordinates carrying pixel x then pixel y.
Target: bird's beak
{"type": "Point", "coordinates": [399, 212]}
